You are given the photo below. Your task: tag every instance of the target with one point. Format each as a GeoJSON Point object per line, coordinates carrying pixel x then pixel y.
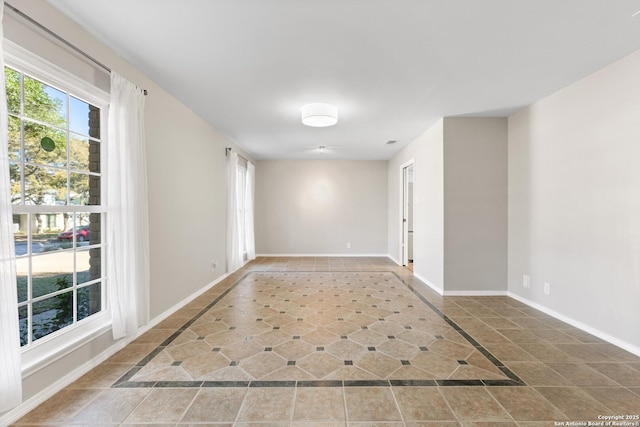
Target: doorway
{"type": "Point", "coordinates": [406, 240]}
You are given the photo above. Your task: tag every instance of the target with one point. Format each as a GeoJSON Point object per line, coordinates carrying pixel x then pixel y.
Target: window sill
{"type": "Point", "coordinates": [52, 348]}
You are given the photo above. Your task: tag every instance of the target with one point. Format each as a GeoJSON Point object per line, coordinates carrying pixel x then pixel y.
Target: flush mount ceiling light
{"type": "Point", "coordinates": [319, 115]}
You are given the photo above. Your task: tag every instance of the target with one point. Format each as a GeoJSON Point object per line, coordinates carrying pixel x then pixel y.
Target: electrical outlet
{"type": "Point", "coordinates": [526, 281]}
{"type": "Point", "coordinates": [547, 288]}
{"type": "Point", "coordinates": [348, 245]}
{"type": "Point", "coordinates": [214, 265]}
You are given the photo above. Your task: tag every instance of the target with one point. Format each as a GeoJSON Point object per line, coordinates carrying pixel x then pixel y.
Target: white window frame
{"type": "Point", "coordinates": [48, 349]}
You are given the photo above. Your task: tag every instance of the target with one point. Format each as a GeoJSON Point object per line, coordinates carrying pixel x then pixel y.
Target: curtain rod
{"type": "Point", "coordinates": [58, 38]}
{"type": "Point", "coordinates": [227, 150]}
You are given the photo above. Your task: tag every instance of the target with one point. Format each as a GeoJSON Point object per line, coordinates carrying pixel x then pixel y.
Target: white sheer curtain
{"type": "Point", "coordinates": [10, 359]}
{"type": "Point", "coordinates": [249, 192]}
{"type": "Point", "coordinates": [234, 249]}
{"type": "Point", "coordinates": [240, 234]}
{"type": "Point", "coordinates": [128, 232]}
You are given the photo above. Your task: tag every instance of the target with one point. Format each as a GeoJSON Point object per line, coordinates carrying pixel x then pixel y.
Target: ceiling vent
{"type": "Point", "coordinates": [391, 142]}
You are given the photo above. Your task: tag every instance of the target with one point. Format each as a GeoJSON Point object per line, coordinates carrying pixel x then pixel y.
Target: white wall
{"type": "Point", "coordinates": [318, 206]}
{"type": "Point", "coordinates": [475, 204]}
{"type": "Point", "coordinates": [574, 201]}
{"type": "Point", "coordinates": [187, 202]}
{"type": "Point", "coordinates": [186, 181]}
{"type": "Point", "coordinates": [460, 204]}
{"type": "Point", "coordinates": [428, 212]}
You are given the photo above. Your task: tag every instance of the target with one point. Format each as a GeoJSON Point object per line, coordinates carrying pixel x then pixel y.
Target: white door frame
{"type": "Point", "coordinates": [404, 209]}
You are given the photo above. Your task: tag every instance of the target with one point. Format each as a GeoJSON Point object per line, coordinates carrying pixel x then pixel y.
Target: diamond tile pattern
{"type": "Point", "coordinates": [460, 342]}
{"type": "Point", "coordinates": [320, 323]}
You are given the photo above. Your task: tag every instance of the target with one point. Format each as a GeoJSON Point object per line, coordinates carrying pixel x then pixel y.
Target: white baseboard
{"type": "Point", "coordinates": [321, 255]}
{"type": "Point", "coordinates": [429, 284]}
{"type": "Point", "coordinates": [30, 404]}
{"type": "Point", "coordinates": [419, 277]}
{"type": "Point", "coordinates": [589, 329]}
{"type": "Point", "coordinates": [475, 293]}
{"type": "Point", "coordinates": [435, 288]}
{"type": "Point", "coordinates": [394, 260]}
{"type": "Point", "coordinates": [181, 304]}
{"type": "Point", "coordinates": [33, 402]}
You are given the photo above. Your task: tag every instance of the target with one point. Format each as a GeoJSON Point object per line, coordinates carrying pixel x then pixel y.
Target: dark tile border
{"type": "Point", "coordinates": [508, 372]}
{"type": "Point", "coordinates": [413, 383]}
{"type": "Point", "coordinates": [459, 383]}
{"type": "Point", "coordinates": [210, 384]}
{"type": "Point", "coordinates": [125, 378]}
{"type": "Point", "coordinates": [272, 384]}
{"type": "Point", "coordinates": [124, 382]}
{"type": "Point", "coordinates": [319, 383]}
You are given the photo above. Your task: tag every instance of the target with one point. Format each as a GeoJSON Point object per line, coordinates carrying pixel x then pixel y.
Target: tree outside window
{"type": "Point", "coordinates": [54, 151]}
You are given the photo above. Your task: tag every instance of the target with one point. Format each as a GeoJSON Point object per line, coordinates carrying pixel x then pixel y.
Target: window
{"type": "Point", "coordinates": [55, 150]}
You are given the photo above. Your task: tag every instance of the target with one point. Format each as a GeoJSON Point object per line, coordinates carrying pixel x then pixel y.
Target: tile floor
{"type": "Point", "coordinates": [350, 341]}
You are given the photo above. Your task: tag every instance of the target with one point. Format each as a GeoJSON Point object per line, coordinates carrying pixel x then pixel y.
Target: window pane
{"type": "Point", "coordinates": [14, 138]}
{"type": "Point", "coordinates": [12, 82]}
{"type": "Point", "coordinates": [42, 229]}
{"type": "Point", "coordinates": [45, 228]}
{"type": "Point", "coordinates": [44, 103]}
{"type": "Point", "coordinates": [20, 230]}
{"type": "Point", "coordinates": [82, 267]}
{"type": "Point", "coordinates": [79, 153]}
{"type": "Point", "coordinates": [84, 154]}
{"type": "Point", "coordinates": [94, 156]}
{"type": "Point", "coordinates": [79, 194]}
{"type": "Point", "coordinates": [15, 183]}
{"type": "Point", "coordinates": [85, 189]}
{"type": "Point", "coordinates": [88, 265]}
{"type": "Point", "coordinates": [95, 229]}
{"type": "Point", "coordinates": [22, 270]}
{"type": "Point", "coordinates": [23, 316]}
{"type": "Point", "coordinates": [44, 145]}
{"type": "Point", "coordinates": [82, 221]}
{"type": "Point", "coordinates": [84, 118]}
{"type": "Point", "coordinates": [79, 230]}
{"type": "Point", "coordinates": [19, 226]}
{"type": "Point", "coordinates": [94, 190]}
{"type": "Point", "coordinates": [52, 314]}
{"type": "Point", "coordinates": [89, 300]}
{"type": "Point", "coordinates": [63, 237]}
{"type": "Point", "coordinates": [51, 272]}
{"type": "Point", "coordinates": [45, 186]}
